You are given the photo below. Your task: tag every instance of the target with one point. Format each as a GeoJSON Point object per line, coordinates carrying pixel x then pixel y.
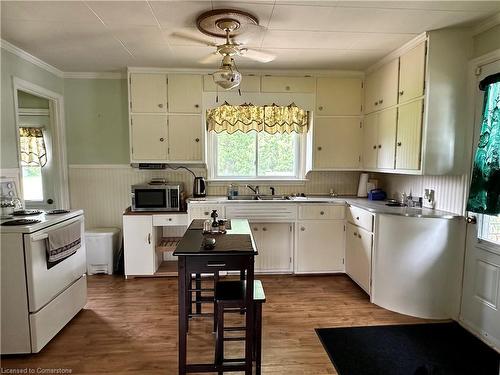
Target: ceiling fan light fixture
{"type": "Point", "coordinates": [227, 77]}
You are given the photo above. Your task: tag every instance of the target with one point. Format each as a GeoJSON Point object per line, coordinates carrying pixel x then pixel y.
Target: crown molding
{"type": "Point", "coordinates": [30, 58]}
{"type": "Point", "coordinates": [95, 75]}
{"type": "Point", "coordinates": [487, 24]}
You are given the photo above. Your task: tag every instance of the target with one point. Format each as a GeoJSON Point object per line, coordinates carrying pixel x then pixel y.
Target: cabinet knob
{"type": "Point", "coordinates": [399, 144]}
{"type": "Point", "coordinates": [380, 101]}
{"type": "Point", "coordinates": [160, 105]}
{"type": "Point", "coordinates": [169, 219]}
{"type": "Point", "coordinates": [322, 212]}
{"type": "Point", "coordinates": [302, 229]}
{"type": "Point", "coordinates": [149, 238]}
{"type": "Point", "coordinates": [205, 213]}
{"type": "Point", "coordinates": [379, 146]}
{"type": "Point", "coordinates": [162, 139]}
{"type": "Point", "coordinates": [401, 92]}
{"type": "Point", "coordinates": [255, 229]}
{"type": "Point", "coordinates": [287, 88]}
{"type": "Point", "coordinates": [359, 235]}
{"type": "Point", "coordinates": [376, 103]}
{"type": "Point", "coordinates": [197, 140]}
{"type": "Point", "coordinates": [264, 229]}
{"type": "Point", "coordinates": [196, 106]}
{"type": "Point", "coordinates": [320, 148]}
{"type": "Point", "coordinates": [320, 107]}
{"type": "Point", "coordinates": [374, 147]}
{"type": "Point", "coordinates": [357, 217]}
{"type": "Point", "coordinates": [355, 234]}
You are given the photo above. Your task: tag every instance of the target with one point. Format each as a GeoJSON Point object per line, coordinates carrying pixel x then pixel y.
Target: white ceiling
{"type": "Point", "coordinates": [100, 36]}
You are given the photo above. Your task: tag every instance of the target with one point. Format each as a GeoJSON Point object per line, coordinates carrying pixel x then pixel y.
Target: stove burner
{"type": "Point", "coordinates": [21, 222]}
{"type": "Point", "coordinates": [27, 212]}
{"type": "Point", "coordinates": [57, 212]}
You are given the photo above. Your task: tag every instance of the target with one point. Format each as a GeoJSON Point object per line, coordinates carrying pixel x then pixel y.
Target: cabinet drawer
{"type": "Point", "coordinates": [288, 84]}
{"type": "Point", "coordinates": [197, 211]}
{"type": "Point", "coordinates": [165, 220]}
{"type": "Point", "coordinates": [216, 263]}
{"type": "Point", "coordinates": [360, 217]}
{"type": "Point", "coordinates": [321, 212]}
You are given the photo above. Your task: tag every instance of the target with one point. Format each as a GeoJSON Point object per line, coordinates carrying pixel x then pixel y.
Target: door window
{"type": "Point", "coordinates": [33, 159]}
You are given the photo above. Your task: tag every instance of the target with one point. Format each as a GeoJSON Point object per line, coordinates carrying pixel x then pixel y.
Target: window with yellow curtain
{"type": "Point", "coordinates": [33, 156]}
{"type": "Point", "coordinates": [257, 142]}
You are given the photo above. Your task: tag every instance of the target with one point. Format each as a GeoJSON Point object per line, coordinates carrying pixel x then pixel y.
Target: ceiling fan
{"type": "Point", "coordinates": [237, 28]}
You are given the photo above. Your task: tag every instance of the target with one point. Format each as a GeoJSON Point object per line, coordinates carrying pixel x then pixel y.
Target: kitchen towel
{"type": "Point", "coordinates": [63, 242]}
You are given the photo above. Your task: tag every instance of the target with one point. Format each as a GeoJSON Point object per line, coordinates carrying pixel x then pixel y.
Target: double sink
{"type": "Point", "coordinates": [259, 198]}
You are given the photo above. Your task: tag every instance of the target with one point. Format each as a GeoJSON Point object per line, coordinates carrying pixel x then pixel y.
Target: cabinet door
{"type": "Point", "coordinates": [412, 73]}
{"type": "Point", "coordinates": [388, 90]}
{"type": "Point", "coordinates": [139, 245]}
{"type": "Point", "coordinates": [148, 92]}
{"type": "Point", "coordinates": [409, 135]}
{"type": "Point", "coordinates": [184, 93]}
{"type": "Point", "coordinates": [387, 122]}
{"type": "Point", "coordinates": [338, 96]}
{"type": "Point", "coordinates": [358, 255]}
{"type": "Point", "coordinates": [320, 246]}
{"type": "Point", "coordinates": [149, 137]}
{"type": "Point", "coordinates": [370, 139]}
{"type": "Point", "coordinates": [288, 84]}
{"type": "Point", "coordinates": [203, 211]}
{"type": "Point", "coordinates": [371, 91]}
{"type": "Point", "coordinates": [185, 138]}
{"type": "Point", "coordinates": [275, 244]}
{"type": "Point", "coordinates": [338, 143]}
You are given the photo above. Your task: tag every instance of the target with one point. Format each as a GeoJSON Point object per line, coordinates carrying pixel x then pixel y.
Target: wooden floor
{"type": "Point", "coordinates": [130, 327]}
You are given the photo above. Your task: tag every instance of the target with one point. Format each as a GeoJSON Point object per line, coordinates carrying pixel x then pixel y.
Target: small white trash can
{"type": "Point", "coordinates": [102, 244]}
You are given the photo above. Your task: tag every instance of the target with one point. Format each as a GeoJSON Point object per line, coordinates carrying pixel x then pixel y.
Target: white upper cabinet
{"type": "Point", "coordinates": [412, 73]}
{"type": "Point", "coordinates": [248, 84]}
{"type": "Point", "coordinates": [184, 93]}
{"type": "Point", "coordinates": [386, 138]}
{"type": "Point", "coordinates": [337, 143]}
{"type": "Point", "coordinates": [381, 87]}
{"type": "Point", "coordinates": [148, 135]}
{"type": "Point", "coordinates": [338, 96]}
{"type": "Point", "coordinates": [370, 139]}
{"type": "Point", "coordinates": [288, 84]}
{"type": "Point", "coordinates": [185, 138]}
{"type": "Point", "coordinates": [409, 135]}
{"type": "Point", "coordinates": [148, 93]}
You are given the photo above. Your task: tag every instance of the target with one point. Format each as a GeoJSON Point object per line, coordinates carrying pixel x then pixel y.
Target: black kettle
{"type": "Point", "coordinates": [199, 187]}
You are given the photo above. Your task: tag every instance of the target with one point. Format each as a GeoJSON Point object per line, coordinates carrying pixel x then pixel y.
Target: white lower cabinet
{"type": "Point", "coordinates": [139, 238]}
{"type": "Point", "coordinates": [274, 243]}
{"type": "Point", "coordinates": [203, 211]}
{"type": "Point", "coordinates": [358, 255]}
{"type": "Point", "coordinates": [319, 246]}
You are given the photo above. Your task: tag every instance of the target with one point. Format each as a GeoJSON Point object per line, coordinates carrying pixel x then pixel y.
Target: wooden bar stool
{"type": "Point", "coordinates": [230, 297]}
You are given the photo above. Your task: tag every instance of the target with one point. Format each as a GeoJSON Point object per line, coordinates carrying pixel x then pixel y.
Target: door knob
{"type": "Point", "coordinates": [50, 201]}
{"type": "Point", "coordinates": [320, 107]}
{"type": "Point", "coordinates": [401, 92]}
{"type": "Point", "coordinates": [374, 147]}
{"type": "Point", "coordinates": [160, 105]}
{"type": "Point", "coordinates": [379, 146]}
{"type": "Point", "coordinates": [355, 234]}
{"type": "Point", "coordinates": [322, 213]}
{"type": "Point", "coordinates": [471, 220]}
{"type": "Point", "coordinates": [399, 144]}
{"type": "Point", "coordinates": [320, 148]}
{"type": "Point", "coordinates": [196, 106]}
{"type": "Point", "coordinates": [264, 229]}
{"type": "Point", "coordinates": [376, 103]}
{"type": "Point", "coordinates": [302, 229]}
{"type": "Point", "coordinates": [162, 139]}
{"type": "Point", "coordinates": [380, 101]}
{"type": "Point", "coordinates": [197, 140]}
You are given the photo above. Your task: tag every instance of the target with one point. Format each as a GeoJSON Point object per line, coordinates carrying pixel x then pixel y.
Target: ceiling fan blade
{"type": "Point", "coordinates": [192, 39]}
{"type": "Point", "coordinates": [256, 55]}
{"type": "Point", "coordinates": [211, 58]}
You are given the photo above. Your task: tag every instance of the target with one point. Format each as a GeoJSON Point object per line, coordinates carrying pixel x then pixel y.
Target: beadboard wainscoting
{"type": "Point", "coordinates": [450, 190]}
{"type": "Point", "coordinates": [103, 191]}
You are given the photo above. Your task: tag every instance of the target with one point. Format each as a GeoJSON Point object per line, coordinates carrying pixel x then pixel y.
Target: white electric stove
{"type": "Point", "coordinates": [38, 299]}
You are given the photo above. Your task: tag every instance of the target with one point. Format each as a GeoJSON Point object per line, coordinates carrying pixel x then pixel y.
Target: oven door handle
{"type": "Point", "coordinates": [43, 234]}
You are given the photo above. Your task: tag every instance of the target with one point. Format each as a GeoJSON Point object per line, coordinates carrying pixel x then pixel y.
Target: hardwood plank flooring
{"type": "Point", "coordinates": [130, 327]}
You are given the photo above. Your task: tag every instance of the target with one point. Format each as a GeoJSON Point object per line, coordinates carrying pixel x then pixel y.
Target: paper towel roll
{"type": "Point", "coordinates": [363, 180]}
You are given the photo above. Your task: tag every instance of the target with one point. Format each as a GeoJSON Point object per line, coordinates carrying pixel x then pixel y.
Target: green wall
{"type": "Point", "coordinates": [487, 41]}
{"type": "Point", "coordinates": [96, 121]}
{"type": "Point", "coordinates": [14, 66]}
{"type": "Point", "coordinates": [25, 100]}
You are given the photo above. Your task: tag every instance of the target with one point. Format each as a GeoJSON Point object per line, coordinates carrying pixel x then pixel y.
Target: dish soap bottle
{"type": "Point", "coordinates": [215, 223]}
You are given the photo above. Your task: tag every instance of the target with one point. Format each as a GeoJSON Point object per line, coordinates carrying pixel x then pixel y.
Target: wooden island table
{"type": "Point", "coordinates": [234, 251]}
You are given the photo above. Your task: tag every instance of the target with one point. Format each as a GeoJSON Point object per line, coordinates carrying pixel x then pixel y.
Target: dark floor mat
{"type": "Point", "coordinates": [416, 349]}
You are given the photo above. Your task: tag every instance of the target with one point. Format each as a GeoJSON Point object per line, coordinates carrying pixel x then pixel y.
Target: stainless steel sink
{"type": "Point", "coordinates": [259, 198]}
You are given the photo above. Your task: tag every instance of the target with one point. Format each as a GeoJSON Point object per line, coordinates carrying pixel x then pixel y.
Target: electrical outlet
{"type": "Point", "coordinates": [429, 198]}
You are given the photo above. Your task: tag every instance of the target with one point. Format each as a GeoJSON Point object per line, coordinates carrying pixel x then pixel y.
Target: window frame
{"type": "Point", "coordinates": [300, 164]}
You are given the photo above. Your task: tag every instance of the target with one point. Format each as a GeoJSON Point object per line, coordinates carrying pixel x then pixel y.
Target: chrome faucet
{"type": "Point", "coordinates": [254, 189]}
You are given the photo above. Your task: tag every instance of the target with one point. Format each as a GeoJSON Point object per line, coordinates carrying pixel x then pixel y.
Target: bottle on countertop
{"type": "Point", "coordinates": [215, 222]}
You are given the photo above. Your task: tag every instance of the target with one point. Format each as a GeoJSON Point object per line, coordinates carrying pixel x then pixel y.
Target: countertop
{"type": "Point", "coordinates": [376, 207]}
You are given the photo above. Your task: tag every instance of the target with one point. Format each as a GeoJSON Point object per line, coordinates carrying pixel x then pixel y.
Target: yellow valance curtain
{"type": "Point", "coordinates": [246, 117]}
{"type": "Point", "coordinates": [32, 144]}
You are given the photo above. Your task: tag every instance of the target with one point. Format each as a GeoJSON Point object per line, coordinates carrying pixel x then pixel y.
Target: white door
{"type": "Point", "coordinates": [320, 246]}
{"type": "Point", "coordinates": [185, 138]}
{"type": "Point", "coordinates": [388, 84]}
{"type": "Point", "coordinates": [148, 92]}
{"type": "Point", "coordinates": [412, 73]}
{"type": "Point", "coordinates": [184, 93]}
{"type": "Point", "coordinates": [409, 135]}
{"type": "Point", "coordinates": [370, 131]}
{"type": "Point", "coordinates": [149, 137]}
{"type": "Point", "coordinates": [480, 309]}
{"type": "Point", "coordinates": [338, 143]}
{"type": "Point", "coordinates": [139, 245]}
